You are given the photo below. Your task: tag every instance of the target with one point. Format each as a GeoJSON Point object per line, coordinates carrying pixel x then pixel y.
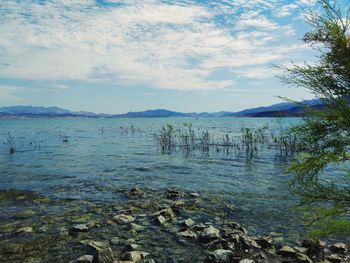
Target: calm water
{"type": "Point", "coordinates": [99, 160]}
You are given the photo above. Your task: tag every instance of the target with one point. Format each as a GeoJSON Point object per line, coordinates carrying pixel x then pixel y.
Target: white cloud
{"type": "Point", "coordinates": [150, 42]}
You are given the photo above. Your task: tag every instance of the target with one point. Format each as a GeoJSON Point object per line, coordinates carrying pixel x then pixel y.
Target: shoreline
{"type": "Point", "coordinates": [150, 229]}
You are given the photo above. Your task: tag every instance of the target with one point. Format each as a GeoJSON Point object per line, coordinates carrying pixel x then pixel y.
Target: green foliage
{"type": "Point", "coordinates": [326, 131]}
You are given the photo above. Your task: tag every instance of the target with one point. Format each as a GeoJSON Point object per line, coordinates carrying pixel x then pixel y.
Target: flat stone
{"type": "Point", "coordinates": [287, 251]}
{"type": "Point", "coordinates": [136, 227]}
{"type": "Point", "coordinates": [220, 256]}
{"type": "Point", "coordinates": [26, 229]}
{"type": "Point", "coordinates": [246, 261]}
{"type": "Point", "coordinates": [135, 256]}
{"type": "Point", "coordinates": [80, 228]}
{"type": "Point", "coordinates": [97, 245]}
{"type": "Point", "coordinates": [188, 234]}
{"type": "Point", "coordinates": [85, 259]}
{"type": "Point", "coordinates": [194, 195]}
{"type": "Point", "coordinates": [160, 220]}
{"type": "Point", "coordinates": [124, 219]}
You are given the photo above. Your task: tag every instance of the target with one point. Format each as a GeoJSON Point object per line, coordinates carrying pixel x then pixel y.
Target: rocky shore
{"type": "Point", "coordinates": [172, 229]}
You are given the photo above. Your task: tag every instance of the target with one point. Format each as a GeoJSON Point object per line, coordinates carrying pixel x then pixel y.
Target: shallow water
{"type": "Point", "coordinates": [100, 161]}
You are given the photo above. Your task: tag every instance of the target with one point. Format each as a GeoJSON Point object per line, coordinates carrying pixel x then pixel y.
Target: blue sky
{"type": "Point", "coordinates": [115, 56]}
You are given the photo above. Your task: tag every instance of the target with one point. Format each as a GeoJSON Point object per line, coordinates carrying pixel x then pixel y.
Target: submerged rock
{"type": "Point", "coordinates": [115, 241]}
{"type": "Point", "coordinates": [246, 261]}
{"type": "Point", "coordinates": [124, 219]}
{"type": "Point", "coordinates": [188, 234]}
{"type": "Point", "coordinates": [26, 229]}
{"type": "Point", "coordinates": [136, 227]}
{"type": "Point", "coordinates": [194, 195]}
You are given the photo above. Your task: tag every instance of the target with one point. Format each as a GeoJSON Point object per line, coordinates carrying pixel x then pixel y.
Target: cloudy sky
{"type": "Point", "coordinates": [120, 55]}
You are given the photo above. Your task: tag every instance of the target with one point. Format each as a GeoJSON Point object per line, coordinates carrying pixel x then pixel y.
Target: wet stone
{"type": "Point", "coordinates": [188, 234]}
{"type": "Point", "coordinates": [338, 248]}
{"type": "Point", "coordinates": [188, 222]}
{"type": "Point", "coordinates": [136, 227]}
{"type": "Point", "coordinates": [194, 195]}
{"type": "Point", "coordinates": [85, 259]}
{"type": "Point", "coordinates": [334, 259]}
{"type": "Point", "coordinates": [115, 241]}
{"type": "Point", "coordinates": [287, 251]}
{"type": "Point", "coordinates": [124, 219]}
{"type": "Point", "coordinates": [80, 228]}
{"type": "Point", "coordinates": [105, 256]}
{"type": "Point", "coordinates": [25, 230]}
{"type": "Point", "coordinates": [209, 233]}
{"type": "Point", "coordinates": [160, 220]}
{"type": "Point", "coordinates": [132, 247]}
{"type": "Point", "coordinates": [135, 256]}
{"type": "Point", "coordinates": [246, 261]}
{"type": "Point", "coordinates": [303, 259]}
{"type": "Point", "coordinates": [220, 256]}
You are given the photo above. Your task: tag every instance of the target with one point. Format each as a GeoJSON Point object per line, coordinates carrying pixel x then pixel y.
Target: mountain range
{"type": "Point", "coordinates": [285, 109]}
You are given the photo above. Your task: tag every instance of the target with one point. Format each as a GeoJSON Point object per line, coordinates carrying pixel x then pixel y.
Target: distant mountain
{"type": "Point", "coordinates": [285, 109]}
{"type": "Point", "coordinates": [159, 113]}
{"type": "Point", "coordinates": [37, 112]}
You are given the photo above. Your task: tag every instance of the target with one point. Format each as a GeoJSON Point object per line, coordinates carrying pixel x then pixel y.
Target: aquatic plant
{"type": "Point", "coordinates": [10, 142]}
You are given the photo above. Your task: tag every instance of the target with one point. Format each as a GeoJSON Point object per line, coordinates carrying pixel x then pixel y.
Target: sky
{"type": "Point", "coordinates": [117, 56]}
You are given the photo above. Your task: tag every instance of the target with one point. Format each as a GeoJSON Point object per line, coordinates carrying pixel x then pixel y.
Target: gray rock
{"type": "Point", "coordinates": [85, 259]}
{"type": "Point", "coordinates": [188, 222]}
{"type": "Point", "coordinates": [194, 195]}
{"type": "Point", "coordinates": [188, 234]}
{"type": "Point", "coordinates": [97, 245]}
{"type": "Point", "coordinates": [220, 256]}
{"type": "Point", "coordinates": [160, 220]}
{"type": "Point", "coordinates": [287, 251]}
{"type": "Point", "coordinates": [246, 261]}
{"type": "Point", "coordinates": [26, 229]}
{"type": "Point", "coordinates": [136, 227]}
{"type": "Point", "coordinates": [105, 256]}
{"type": "Point", "coordinates": [135, 256]}
{"type": "Point", "coordinates": [124, 219]}
{"type": "Point", "coordinates": [209, 233]}
{"type": "Point", "coordinates": [80, 228]}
